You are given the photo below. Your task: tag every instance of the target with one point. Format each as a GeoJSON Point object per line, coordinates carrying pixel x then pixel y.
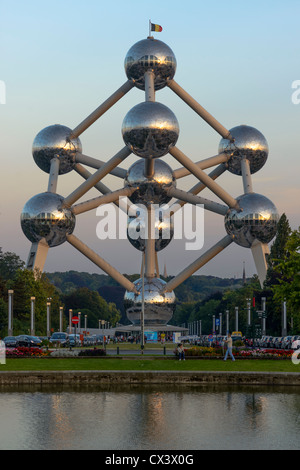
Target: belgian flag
{"type": "Point", "coordinates": [156, 27]}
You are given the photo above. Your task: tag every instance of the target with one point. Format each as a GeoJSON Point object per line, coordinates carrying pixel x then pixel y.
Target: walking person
{"type": "Point", "coordinates": [181, 352]}
{"type": "Point", "coordinates": [228, 341]}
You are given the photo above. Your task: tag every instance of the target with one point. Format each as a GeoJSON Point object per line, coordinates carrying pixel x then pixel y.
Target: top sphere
{"type": "Point", "coordinates": [249, 143]}
{"type": "Point", "coordinates": [150, 55]}
{"type": "Point", "coordinates": [53, 141]}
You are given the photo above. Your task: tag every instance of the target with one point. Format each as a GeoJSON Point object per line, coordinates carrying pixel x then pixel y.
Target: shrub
{"type": "Point", "coordinates": [92, 352]}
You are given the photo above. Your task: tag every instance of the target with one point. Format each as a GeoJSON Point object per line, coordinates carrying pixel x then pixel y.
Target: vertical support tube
{"type": "Point", "coordinates": [53, 176]}
{"type": "Point", "coordinates": [150, 243]}
{"type": "Point", "coordinates": [32, 316]}
{"type": "Point", "coordinates": [149, 86]}
{"type": "Point", "coordinates": [246, 174]}
{"type": "Point", "coordinates": [10, 312]}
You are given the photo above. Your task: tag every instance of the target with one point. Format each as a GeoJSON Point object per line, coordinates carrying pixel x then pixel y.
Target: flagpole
{"type": "Point", "coordinates": [149, 28]}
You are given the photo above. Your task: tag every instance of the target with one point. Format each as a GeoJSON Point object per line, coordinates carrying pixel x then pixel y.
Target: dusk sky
{"type": "Point", "coordinates": [61, 59]}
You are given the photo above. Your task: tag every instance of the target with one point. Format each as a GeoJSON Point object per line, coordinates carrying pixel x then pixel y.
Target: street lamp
{"type": "Point", "coordinates": [70, 320]}
{"type": "Point", "coordinates": [32, 315]}
{"type": "Point", "coordinates": [61, 309]}
{"type": "Point", "coordinates": [10, 312]}
{"type": "Point", "coordinates": [85, 323]}
{"type": "Point", "coordinates": [48, 316]}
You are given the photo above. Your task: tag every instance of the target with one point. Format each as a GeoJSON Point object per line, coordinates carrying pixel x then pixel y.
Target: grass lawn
{"type": "Point", "coordinates": [40, 364]}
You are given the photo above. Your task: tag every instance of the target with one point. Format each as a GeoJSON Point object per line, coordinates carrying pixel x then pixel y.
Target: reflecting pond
{"type": "Point", "coordinates": [149, 418]}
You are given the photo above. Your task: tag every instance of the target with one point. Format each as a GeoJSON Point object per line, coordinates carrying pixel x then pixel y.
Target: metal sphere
{"type": "Point", "coordinates": [249, 143]}
{"type": "Point", "coordinates": [150, 55]}
{"type": "Point", "coordinates": [257, 220]}
{"type": "Point", "coordinates": [150, 190]}
{"type": "Point", "coordinates": [137, 226]}
{"type": "Point", "coordinates": [42, 217]}
{"type": "Point", "coordinates": [53, 141]}
{"type": "Point", "coordinates": [149, 129]}
{"type": "Point", "coordinates": [159, 308]}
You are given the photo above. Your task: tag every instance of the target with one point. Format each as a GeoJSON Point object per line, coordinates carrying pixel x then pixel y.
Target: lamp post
{"type": "Point", "coordinates": [48, 316]}
{"type": "Point", "coordinates": [61, 309]}
{"type": "Point", "coordinates": [284, 322]}
{"type": "Point", "coordinates": [32, 315]}
{"type": "Point", "coordinates": [79, 324]}
{"type": "Point", "coordinates": [236, 319]}
{"type": "Point", "coordinates": [85, 324]}
{"type": "Point", "coordinates": [263, 307]}
{"type": "Point", "coordinates": [220, 328]}
{"type": "Point", "coordinates": [70, 320]}
{"type": "Point", "coordinates": [227, 322]}
{"type": "Point", "coordinates": [248, 312]}
{"type": "Point", "coordinates": [10, 312]}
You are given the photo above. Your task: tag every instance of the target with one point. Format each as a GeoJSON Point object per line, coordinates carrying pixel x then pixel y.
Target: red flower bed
{"type": "Point", "coordinates": [25, 352]}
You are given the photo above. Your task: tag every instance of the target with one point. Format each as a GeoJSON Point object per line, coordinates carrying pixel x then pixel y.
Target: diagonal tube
{"type": "Point", "coordinates": [196, 265]}
{"type": "Point", "coordinates": [203, 164]}
{"type": "Point", "coordinates": [116, 96]}
{"type": "Point", "coordinates": [203, 177]}
{"type": "Point", "coordinates": [199, 110]}
{"type": "Point", "coordinates": [96, 177]}
{"type": "Point", "coordinates": [94, 163]}
{"type": "Point", "coordinates": [101, 263]}
{"type": "Point", "coordinates": [99, 201]}
{"type": "Point", "coordinates": [193, 199]}
{"type": "Point", "coordinates": [199, 186]}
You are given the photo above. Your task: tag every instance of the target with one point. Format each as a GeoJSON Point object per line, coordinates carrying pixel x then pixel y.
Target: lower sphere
{"type": "Point", "coordinates": [42, 218]}
{"type": "Point", "coordinates": [159, 308]}
{"type": "Point", "coordinates": [256, 220]}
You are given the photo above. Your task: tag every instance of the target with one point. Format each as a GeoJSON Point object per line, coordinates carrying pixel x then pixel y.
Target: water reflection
{"type": "Point", "coordinates": [149, 417]}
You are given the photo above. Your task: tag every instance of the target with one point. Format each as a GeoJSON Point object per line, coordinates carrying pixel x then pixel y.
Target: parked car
{"type": "Point", "coordinates": [28, 341]}
{"type": "Point", "coordinates": [286, 343]}
{"type": "Point", "coordinates": [10, 341]}
{"type": "Point", "coordinates": [60, 338]}
{"type": "Point", "coordinates": [74, 340]}
{"type": "Point", "coordinates": [278, 343]}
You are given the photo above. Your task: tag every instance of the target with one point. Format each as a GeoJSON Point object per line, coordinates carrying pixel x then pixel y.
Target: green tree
{"type": "Point", "coordinates": [10, 263]}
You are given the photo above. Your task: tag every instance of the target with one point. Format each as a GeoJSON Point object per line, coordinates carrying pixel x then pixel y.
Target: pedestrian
{"type": "Point", "coordinates": [180, 351]}
{"type": "Point", "coordinates": [228, 341]}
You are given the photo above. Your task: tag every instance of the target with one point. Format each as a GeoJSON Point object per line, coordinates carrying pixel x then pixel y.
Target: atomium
{"type": "Point", "coordinates": [150, 55]}
{"type": "Point", "coordinates": [256, 219]}
{"type": "Point", "coordinates": [159, 307]}
{"type": "Point", "coordinates": [248, 143]}
{"type": "Point", "coordinates": [43, 218]}
{"type": "Point", "coordinates": [54, 142]}
{"type": "Point", "coordinates": [150, 130]}
{"type": "Point", "coordinates": [150, 190]}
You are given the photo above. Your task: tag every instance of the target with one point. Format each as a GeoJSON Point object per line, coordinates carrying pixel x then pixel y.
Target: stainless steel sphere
{"type": "Point", "coordinates": [249, 143]}
{"type": "Point", "coordinates": [150, 190]}
{"type": "Point", "coordinates": [149, 129]}
{"type": "Point", "coordinates": [42, 217]}
{"type": "Point", "coordinates": [159, 308]}
{"type": "Point", "coordinates": [150, 54]}
{"type": "Point", "coordinates": [257, 220]}
{"type": "Point", "coordinates": [137, 226]}
{"type": "Point", "coordinates": [53, 141]}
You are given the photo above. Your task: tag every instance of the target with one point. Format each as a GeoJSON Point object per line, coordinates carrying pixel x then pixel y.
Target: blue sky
{"type": "Point", "coordinates": [61, 59]}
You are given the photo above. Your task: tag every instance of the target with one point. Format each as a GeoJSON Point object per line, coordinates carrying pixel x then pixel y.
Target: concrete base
{"type": "Point", "coordinates": [76, 378]}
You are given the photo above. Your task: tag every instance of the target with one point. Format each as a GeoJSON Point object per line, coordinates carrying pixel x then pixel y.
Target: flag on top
{"type": "Point", "coordinates": [156, 27]}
